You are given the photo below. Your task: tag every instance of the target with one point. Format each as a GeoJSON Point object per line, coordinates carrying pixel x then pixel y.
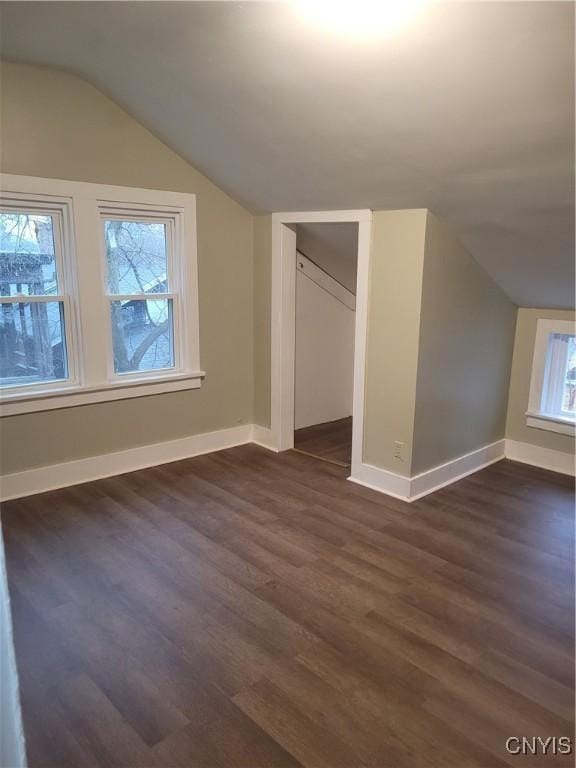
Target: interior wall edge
{"type": "Point", "coordinates": [12, 742]}
{"type": "Point", "coordinates": [461, 398]}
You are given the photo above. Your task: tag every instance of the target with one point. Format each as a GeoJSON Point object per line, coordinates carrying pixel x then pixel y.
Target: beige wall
{"type": "Point", "coordinates": [262, 318]}
{"type": "Point", "coordinates": [429, 303]}
{"type": "Point", "coordinates": [466, 339]}
{"type": "Point", "coordinates": [395, 286]}
{"type": "Point", "coordinates": [516, 428]}
{"type": "Point", "coordinates": [57, 125]}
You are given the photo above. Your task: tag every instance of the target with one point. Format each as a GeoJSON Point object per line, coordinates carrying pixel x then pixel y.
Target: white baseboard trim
{"type": "Point", "coordinates": [381, 480]}
{"type": "Point", "coordinates": [433, 479]}
{"type": "Point", "coordinates": [40, 479]}
{"type": "Point", "coordinates": [413, 488]}
{"type": "Point", "coordinates": [546, 458]}
{"type": "Point", "coordinates": [68, 473]}
{"type": "Point", "coordinates": [263, 436]}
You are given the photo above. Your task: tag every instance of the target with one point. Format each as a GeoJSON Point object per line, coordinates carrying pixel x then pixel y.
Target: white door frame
{"type": "Point", "coordinates": [283, 323]}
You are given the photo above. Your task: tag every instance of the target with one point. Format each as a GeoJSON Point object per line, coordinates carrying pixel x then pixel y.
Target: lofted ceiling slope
{"type": "Point", "coordinates": [468, 112]}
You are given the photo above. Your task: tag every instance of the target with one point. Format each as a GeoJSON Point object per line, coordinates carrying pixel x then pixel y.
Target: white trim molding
{"type": "Point", "coordinates": [68, 397]}
{"type": "Point", "coordinates": [412, 488]}
{"type": "Point", "coordinates": [49, 478]}
{"type": "Point", "coordinates": [433, 479]}
{"type": "Point", "coordinates": [546, 390]}
{"type": "Point", "coordinates": [283, 323]}
{"type": "Point", "coordinates": [381, 480]}
{"type": "Point", "coordinates": [409, 489]}
{"type": "Point", "coordinates": [546, 458]}
{"type": "Point", "coordinates": [263, 437]}
{"type": "Point", "coordinates": [550, 423]}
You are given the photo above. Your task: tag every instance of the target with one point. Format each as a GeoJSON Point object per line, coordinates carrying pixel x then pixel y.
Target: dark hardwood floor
{"type": "Point", "coordinates": [331, 441]}
{"type": "Point", "coordinates": [249, 609]}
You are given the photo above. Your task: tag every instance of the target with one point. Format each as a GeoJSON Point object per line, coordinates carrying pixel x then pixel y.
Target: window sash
{"type": "Point", "coordinates": [19, 383]}
{"type": "Point", "coordinates": [170, 223]}
{"type": "Point", "coordinates": [60, 213]}
{"type": "Point", "coordinates": [22, 298]}
{"type": "Point", "coordinates": [57, 236]}
{"type": "Point", "coordinates": [71, 360]}
{"type": "Point", "coordinates": [140, 296]}
{"type": "Point", "coordinates": [175, 331]}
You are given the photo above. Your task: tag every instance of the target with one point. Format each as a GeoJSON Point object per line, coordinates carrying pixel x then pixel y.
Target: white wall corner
{"type": "Point", "coordinates": [546, 458]}
{"type": "Point", "coordinates": [263, 437]}
{"type": "Point", "coordinates": [413, 488]}
{"type": "Point", "coordinates": [381, 480]}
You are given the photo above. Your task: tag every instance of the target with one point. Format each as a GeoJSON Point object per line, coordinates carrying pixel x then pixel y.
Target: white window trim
{"type": "Point", "coordinates": [81, 207]}
{"type": "Point", "coordinates": [534, 416]}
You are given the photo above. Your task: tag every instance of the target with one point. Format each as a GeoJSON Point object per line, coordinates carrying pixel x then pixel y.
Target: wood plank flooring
{"type": "Point", "coordinates": [331, 441]}
{"type": "Point", "coordinates": [251, 610]}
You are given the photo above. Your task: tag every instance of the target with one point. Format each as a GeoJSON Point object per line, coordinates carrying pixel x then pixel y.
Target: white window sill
{"type": "Point", "coordinates": [550, 423]}
{"type": "Point", "coordinates": [67, 397]}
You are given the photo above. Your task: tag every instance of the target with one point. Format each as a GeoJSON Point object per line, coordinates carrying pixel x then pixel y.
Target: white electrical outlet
{"type": "Point", "coordinates": [398, 450]}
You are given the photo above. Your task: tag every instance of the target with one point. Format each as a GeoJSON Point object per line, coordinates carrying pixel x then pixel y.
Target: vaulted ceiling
{"type": "Point", "coordinates": [468, 112]}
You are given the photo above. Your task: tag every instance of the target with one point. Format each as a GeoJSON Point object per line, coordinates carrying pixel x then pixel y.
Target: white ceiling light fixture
{"type": "Point", "coordinates": [360, 19]}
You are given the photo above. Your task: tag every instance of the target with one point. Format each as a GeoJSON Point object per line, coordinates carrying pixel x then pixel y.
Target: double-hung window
{"type": "Point", "coordinates": [98, 293]}
{"type": "Point", "coordinates": [139, 276]}
{"type": "Point", "coordinates": [552, 401]}
{"type": "Point", "coordinates": [36, 315]}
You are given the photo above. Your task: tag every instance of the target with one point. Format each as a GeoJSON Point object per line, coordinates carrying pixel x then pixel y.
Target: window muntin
{"type": "Point", "coordinates": [33, 321]}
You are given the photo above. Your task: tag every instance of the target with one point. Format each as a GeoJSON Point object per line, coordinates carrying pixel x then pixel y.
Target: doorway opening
{"type": "Point", "coordinates": [318, 345]}
{"type": "Point", "coordinates": [325, 318]}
